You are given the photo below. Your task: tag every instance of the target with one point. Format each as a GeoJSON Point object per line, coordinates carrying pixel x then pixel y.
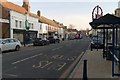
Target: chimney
{"type": "Point", "coordinates": [26, 5]}
{"type": "Point", "coordinates": [38, 13]}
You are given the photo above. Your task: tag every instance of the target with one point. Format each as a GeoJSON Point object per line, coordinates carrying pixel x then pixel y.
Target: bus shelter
{"type": "Point", "coordinates": [110, 26]}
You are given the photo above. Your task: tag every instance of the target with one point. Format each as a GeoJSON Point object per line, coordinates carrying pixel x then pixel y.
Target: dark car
{"type": "Point", "coordinates": [57, 40]}
{"type": "Point", "coordinates": [40, 41]}
{"type": "Point", "coordinates": [97, 42]}
{"type": "Point", "coordinates": [53, 40]}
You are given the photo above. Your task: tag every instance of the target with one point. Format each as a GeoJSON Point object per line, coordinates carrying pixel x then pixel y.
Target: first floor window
{"type": "Point", "coordinates": [16, 23]}
{"type": "Point", "coordinates": [20, 24]}
{"type": "Point", "coordinates": [32, 26]}
{"type": "Point", "coordinates": [40, 26]}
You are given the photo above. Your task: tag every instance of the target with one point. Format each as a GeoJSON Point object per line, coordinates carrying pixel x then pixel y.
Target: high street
{"type": "Point", "coordinates": [49, 61]}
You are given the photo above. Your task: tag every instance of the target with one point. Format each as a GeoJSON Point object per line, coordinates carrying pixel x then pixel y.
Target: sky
{"type": "Point", "coordinates": [75, 12]}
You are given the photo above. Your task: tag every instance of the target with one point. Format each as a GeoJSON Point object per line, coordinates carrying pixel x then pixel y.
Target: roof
{"type": "Point", "coordinates": [12, 6]}
{"type": "Point", "coordinates": [105, 20]}
{"type": "Point", "coordinates": [72, 30]}
{"type": "Point", "coordinates": [47, 21]}
{"type": "Point", "coordinates": [117, 9]}
{"type": "Point", "coordinates": [33, 15]}
{"type": "Point", "coordinates": [22, 10]}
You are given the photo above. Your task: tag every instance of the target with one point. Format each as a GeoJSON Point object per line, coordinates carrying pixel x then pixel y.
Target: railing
{"type": "Point", "coordinates": [115, 58]}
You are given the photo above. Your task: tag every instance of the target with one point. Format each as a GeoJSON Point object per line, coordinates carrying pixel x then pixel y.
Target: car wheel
{"type": "Point", "coordinates": [17, 48]}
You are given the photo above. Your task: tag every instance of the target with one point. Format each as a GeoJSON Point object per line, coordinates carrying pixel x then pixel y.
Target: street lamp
{"type": "Point", "coordinates": [27, 29]}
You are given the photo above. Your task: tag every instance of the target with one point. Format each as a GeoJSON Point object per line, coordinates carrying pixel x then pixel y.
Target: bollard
{"type": "Point", "coordinates": [85, 70]}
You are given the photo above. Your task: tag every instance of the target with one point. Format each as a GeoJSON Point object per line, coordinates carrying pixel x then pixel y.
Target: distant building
{"type": "Point", "coordinates": [72, 33]}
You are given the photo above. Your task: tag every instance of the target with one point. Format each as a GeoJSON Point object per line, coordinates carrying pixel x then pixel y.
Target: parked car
{"type": "Point", "coordinates": [51, 39]}
{"type": "Point", "coordinates": [40, 42]}
{"type": "Point", "coordinates": [9, 44]}
{"type": "Point", "coordinates": [97, 42]}
{"type": "Point", "coordinates": [54, 40]}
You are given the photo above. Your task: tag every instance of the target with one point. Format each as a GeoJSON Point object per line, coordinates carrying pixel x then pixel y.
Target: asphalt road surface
{"type": "Point", "coordinates": [49, 61]}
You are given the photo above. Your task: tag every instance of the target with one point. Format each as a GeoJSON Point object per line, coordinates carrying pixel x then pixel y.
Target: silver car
{"type": "Point", "coordinates": [9, 44]}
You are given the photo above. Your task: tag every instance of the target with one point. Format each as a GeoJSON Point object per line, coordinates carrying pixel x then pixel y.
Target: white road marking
{"type": "Point", "coordinates": [56, 48]}
{"type": "Point", "coordinates": [46, 65]}
{"type": "Point", "coordinates": [62, 66]}
{"type": "Point", "coordinates": [26, 58]}
{"type": "Point", "coordinates": [40, 65]}
{"type": "Point", "coordinates": [10, 75]}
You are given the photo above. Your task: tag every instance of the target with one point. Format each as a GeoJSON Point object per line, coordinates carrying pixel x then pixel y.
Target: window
{"type": "Point", "coordinates": [6, 41]}
{"type": "Point", "coordinates": [20, 24]}
{"type": "Point", "coordinates": [12, 40]}
{"type": "Point", "coordinates": [40, 27]}
{"type": "Point", "coordinates": [46, 28]}
{"type": "Point", "coordinates": [32, 26]}
{"type": "Point", "coordinates": [16, 23]}
{"type": "Point", "coordinates": [29, 25]}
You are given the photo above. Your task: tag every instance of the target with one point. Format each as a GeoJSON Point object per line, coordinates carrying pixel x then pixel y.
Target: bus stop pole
{"type": "Point", "coordinates": [113, 49]}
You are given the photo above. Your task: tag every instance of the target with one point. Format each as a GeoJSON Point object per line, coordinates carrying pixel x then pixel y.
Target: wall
{"type": "Point", "coordinates": [23, 17]}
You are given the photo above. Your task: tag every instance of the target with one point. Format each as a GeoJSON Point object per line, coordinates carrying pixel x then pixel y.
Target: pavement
{"type": "Point", "coordinates": [97, 67]}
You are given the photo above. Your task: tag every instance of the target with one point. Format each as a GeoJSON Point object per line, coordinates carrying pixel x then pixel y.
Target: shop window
{"type": "Point", "coordinates": [16, 23]}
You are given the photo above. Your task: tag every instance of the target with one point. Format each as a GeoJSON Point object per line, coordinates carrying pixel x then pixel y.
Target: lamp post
{"type": "Point", "coordinates": [27, 29]}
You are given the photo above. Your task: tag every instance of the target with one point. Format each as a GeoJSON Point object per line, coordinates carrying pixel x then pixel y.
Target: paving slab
{"type": "Point", "coordinates": [97, 67]}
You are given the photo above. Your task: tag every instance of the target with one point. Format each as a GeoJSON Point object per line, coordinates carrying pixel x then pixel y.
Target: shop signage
{"type": "Point", "coordinates": [4, 20]}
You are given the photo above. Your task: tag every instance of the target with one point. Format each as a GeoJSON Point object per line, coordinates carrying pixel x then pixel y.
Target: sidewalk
{"type": "Point", "coordinates": [97, 67]}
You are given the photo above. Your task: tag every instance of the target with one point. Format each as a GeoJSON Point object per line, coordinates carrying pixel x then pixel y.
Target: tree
{"type": "Point", "coordinates": [71, 26]}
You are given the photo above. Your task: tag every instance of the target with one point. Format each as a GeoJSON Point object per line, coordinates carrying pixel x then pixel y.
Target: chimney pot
{"type": "Point", "coordinates": [39, 13]}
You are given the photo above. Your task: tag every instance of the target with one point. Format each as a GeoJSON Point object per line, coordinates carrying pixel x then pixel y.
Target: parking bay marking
{"type": "Point", "coordinates": [57, 66]}
{"type": "Point", "coordinates": [26, 58]}
{"type": "Point", "coordinates": [41, 65]}
{"type": "Point", "coordinates": [61, 66]}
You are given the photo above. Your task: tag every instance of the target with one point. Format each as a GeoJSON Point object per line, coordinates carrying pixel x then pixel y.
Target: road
{"type": "Point", "coordinates": [49, 61]}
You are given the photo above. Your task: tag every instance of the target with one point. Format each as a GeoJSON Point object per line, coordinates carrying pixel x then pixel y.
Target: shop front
{"type": "Point", "coordinates": [25, 37]}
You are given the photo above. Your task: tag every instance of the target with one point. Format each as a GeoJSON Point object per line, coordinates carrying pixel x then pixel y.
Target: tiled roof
{"type": "Point", "coordinates": [22, 10]}
{"type": "Point", "coordinates": [33, 15]}
{"type": "Point", "coordinates": [12, 6]}
{"type": "Point", "coordinates": [47, 21]}
{"type": "Point", "coordinates": [72, 30]}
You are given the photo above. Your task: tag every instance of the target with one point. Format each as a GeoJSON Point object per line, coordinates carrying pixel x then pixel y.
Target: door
{"type": "Point", "coordinates": [6, 45]}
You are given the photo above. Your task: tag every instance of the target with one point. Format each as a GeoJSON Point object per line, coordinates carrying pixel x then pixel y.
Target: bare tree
{"type": "Point", "coordinates": [71, 26]}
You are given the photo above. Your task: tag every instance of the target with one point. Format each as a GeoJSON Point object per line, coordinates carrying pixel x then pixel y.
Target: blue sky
{"type": "Point", "coordinates": [76, 12]}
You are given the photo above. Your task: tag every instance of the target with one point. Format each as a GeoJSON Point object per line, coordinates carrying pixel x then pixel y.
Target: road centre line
{"type": "Point", "coordinates": [26, 58]}
{"type": "Point", "coordinates": [57, 48]}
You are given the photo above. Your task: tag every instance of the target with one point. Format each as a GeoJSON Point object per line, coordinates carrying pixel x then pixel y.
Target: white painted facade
{"type": "Point", "coordinates": [43, 28]}
{"type": "Point", "coordinates": [21, 18]}
{"type": "Point", "coordinates": [61, 33]}
{"type": "Point", "coordinates": [43, 33]}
